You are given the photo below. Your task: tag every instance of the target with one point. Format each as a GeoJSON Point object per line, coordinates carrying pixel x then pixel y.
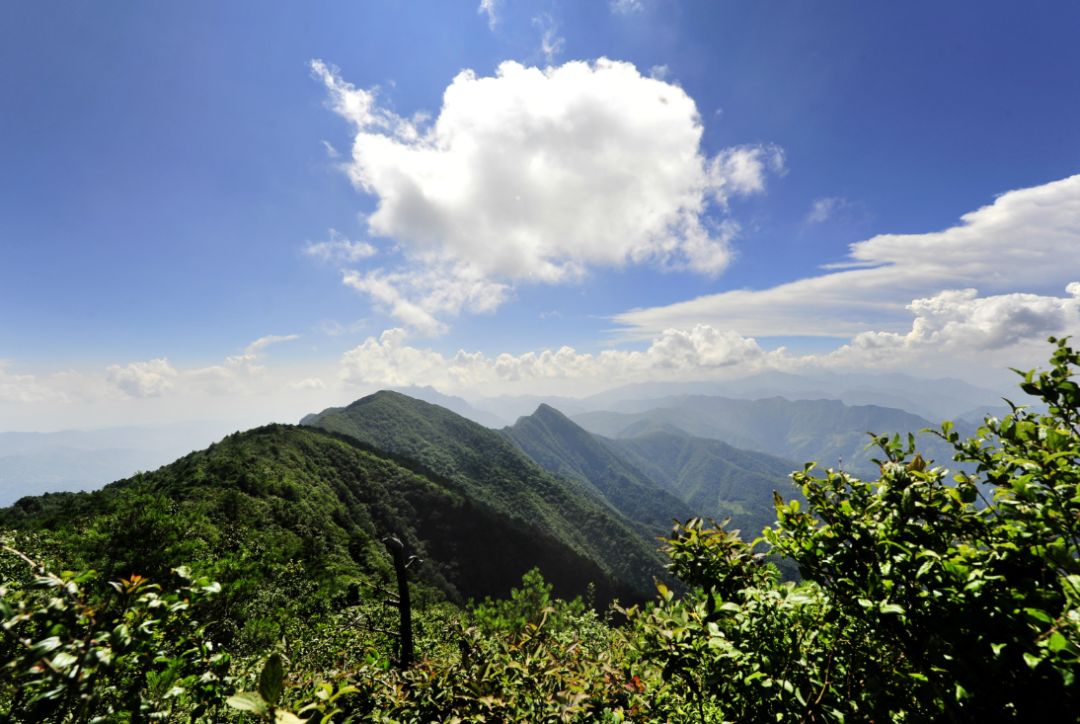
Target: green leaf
{"type": "Point", "coordinates": [271, 678]}
{"type": "Point", "coordinates": [1057, 642]}
{"type": "Point", "coordinates": [248, 701]}
{"type": "Point", "coordinates": [1031, 660]}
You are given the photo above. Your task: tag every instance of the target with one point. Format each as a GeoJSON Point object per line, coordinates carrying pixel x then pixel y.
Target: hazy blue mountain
{"type": "Point", "coordinates": [559, 446]}
{"type": "Point", "coordinates": [933, 399]}
{"type": "Point", "coordinates": [491, 469]}
{"type": "Point", "coordinates": [826, 431]}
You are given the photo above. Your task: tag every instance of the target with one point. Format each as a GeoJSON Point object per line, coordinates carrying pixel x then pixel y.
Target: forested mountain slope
{"type": "Point", "coordinates": [564, 448]}
{"type": "Point", "coordinates": [490, 469]}
{"type": "Point", "coordinates": [280, 508]}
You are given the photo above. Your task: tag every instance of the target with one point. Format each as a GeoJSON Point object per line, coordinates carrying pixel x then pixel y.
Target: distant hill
{"type": "Point", "coordinates": [490, 469]}
{"type": "Point", "coordinates": [826, 431]}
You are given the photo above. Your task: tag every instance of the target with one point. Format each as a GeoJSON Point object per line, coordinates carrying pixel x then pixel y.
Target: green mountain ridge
{"type": "Point", "coordinates": [490, 468]}
{"type": "Point", "coordinates": [280, 507]}
{"type": "Point", "coordinates": [559, 446]}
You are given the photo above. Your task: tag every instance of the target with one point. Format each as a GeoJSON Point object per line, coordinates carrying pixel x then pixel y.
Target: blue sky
{"type": "Point", "coordinates": [169, 175]}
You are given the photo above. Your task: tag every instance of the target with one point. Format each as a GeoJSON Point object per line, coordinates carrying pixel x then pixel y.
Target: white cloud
{"type": "Point", "coordinates": [143, 379]}
{"type": "Point", "coordinates": [958, 324]}
{"type": "Point", "coordinates": [24, 387]}
{"type": "Point", "coordinates": [339, 249]}
{"type": "Point", "coordinates": [539, 175]}
{"type": "Point", "coordinates": [954, 332]}
{"type": "Point", "coordinates": [675, 354]}
{"type": "Point", "coordinates": [823, 209]}
{"type": "Point", "coordinates": [491, 9]}
{"type": "Point", "coordinates": [551, 44]}
{"type": "Point", "coordinates": [256, 347]}
{"type": "Point", "coordinates": [1025, 240]}
{"type": "Point", "coordinates": [416, 298]}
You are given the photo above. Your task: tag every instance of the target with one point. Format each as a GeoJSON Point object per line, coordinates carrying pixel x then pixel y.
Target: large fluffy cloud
{"type": "Point", "coordinates": [541, 174]}
{"type": "Point", "coordinates": [1026, 240]}
{"type": "Point", "coordinates": [961, 326]}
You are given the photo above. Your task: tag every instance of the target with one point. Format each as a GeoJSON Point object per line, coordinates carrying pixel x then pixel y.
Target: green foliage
{"type": "Point", "coordinates": [130, 651]}
{"type": "Point", "coordinates": [923, 599]}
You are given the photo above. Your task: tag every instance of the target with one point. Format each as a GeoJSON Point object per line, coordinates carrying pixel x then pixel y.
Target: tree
{"type": "Point", "coordinates": [924, 596]}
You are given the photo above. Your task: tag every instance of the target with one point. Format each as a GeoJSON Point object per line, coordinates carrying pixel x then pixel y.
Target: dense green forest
{"type": "Point", "coordinates": [251, 581]}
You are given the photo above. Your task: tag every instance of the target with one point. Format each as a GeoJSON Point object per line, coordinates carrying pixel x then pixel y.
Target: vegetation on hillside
{"type": "Point", "coordinates": [488, 467]}
{"type": "Point", "coordinates": [924, 598]}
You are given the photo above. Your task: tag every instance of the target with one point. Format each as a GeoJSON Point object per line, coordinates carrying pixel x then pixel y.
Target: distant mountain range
{"type": "Point", "coordinates": [824, 431]}
{"type": "Point", "coordinates": [932, 399]}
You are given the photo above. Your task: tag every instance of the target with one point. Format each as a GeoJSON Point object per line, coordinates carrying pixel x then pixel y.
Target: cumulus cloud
{"type": "Point", "coordinates": [675, 354]}
{"type": "Point", "coordinates": [143, 379]}
{"type": "Point", "coordinates": [958, 323]}
{"type": "Point", "coordinates": [157, 377]}
{"type": "Point", "coordinates": [339, 249]}
{"type": "Point", "coordinates": [539, 175]}
{"type": "Point", "coordinates": [1026, 240]}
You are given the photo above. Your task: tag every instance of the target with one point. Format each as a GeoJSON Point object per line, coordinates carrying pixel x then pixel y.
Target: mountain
{"type": "Point", "coordinates": [933, 399]}
{"type": "Point", "coordinates": [488, 468]}
{"type": "Point", "coordinates": [274, 510]}
{"type": "Point", "coordinates": [825, 431]}
{"type": "Point", "coordinates": [559, 446]}
{"type": "Point", "coordinates": [655, 473]}
{"type": "Point", "coordinates": [713, 478]}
